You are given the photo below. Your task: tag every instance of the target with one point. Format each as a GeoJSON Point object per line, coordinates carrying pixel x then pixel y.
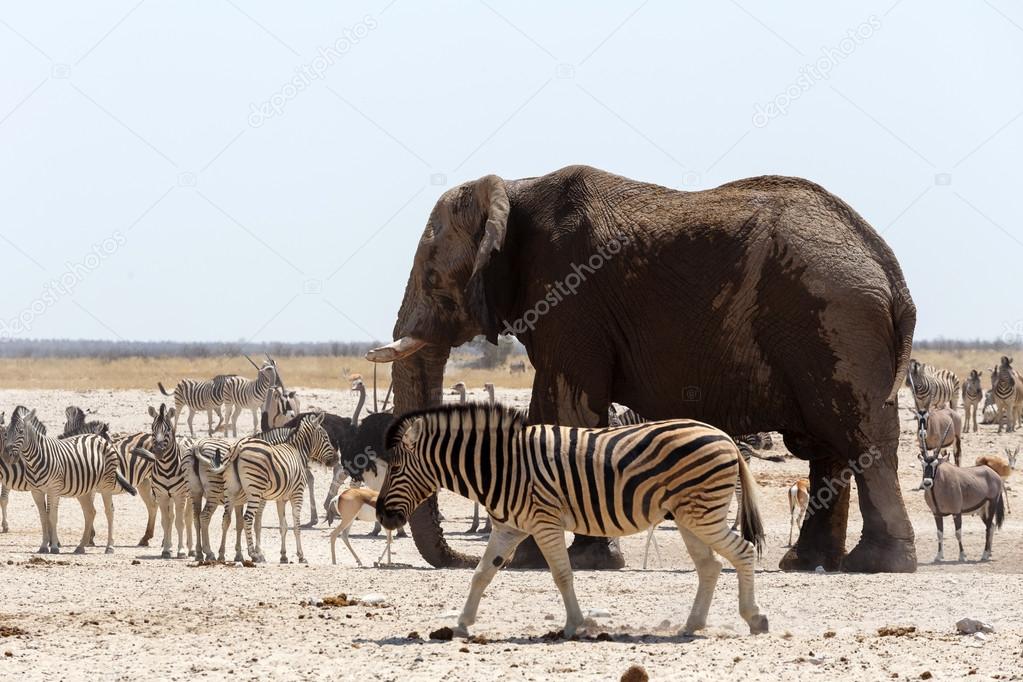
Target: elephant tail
{"type": "Point", "coordinates": [904, 318]}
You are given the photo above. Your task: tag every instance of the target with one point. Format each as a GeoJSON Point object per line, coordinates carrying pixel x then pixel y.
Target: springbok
{"type": "Point", "coordinates": [958, 491]}
{"type": "Point", "coordinates": [351, 504]}
{"type": "Point", "coordinates": [799, 497]}
{"type": "Point", "coordinates": [1002, 467]}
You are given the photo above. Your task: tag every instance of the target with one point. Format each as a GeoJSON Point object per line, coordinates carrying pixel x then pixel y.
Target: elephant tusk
{"type": "Point", "coordinates": [402, 348]}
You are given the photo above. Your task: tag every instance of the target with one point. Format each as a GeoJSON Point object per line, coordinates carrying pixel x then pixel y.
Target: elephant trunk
{"type": "Point", "coordinates": [418, 384]}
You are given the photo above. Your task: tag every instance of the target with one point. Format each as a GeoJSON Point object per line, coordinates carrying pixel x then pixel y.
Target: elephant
{"type": "Point", "coordinates": [765, 304]}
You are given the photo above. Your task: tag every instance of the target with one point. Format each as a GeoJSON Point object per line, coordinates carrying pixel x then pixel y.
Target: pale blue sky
{"type": "Point", "coordinates": [132, 122]}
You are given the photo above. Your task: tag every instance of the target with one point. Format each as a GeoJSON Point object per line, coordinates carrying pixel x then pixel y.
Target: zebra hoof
{"type": "Point", "coordinates": [210, 557]}
{"type": "Point", "coordinates": [165, 554]}
{"type": "Point", "coordinates": [144, 542]}
{"type": "Point", "coordinates": [758, 625]}
{"type": "Point", "coordinates": [55, 550]}
{"type": "Point", "coordinates": [109, 550]}
{"type": "Point", "coordinates": [962, 557]}
{"type": "Point", "coordinates": [181, 555]}
{"type": "Point", "coordinates": [302, 560]}
{"type": "Point", "coordinates": [4, 528]}
{"type": "Point", "coordinates": [191, 552]}
{"type": "Point", "coordinates": [238, 558]}
{"type": "Point", "coordinates": [80, 550]}
{"type": "Point", "coordinates": [45, 549]}
{"type": "Point", "coordinates": [284, 559]}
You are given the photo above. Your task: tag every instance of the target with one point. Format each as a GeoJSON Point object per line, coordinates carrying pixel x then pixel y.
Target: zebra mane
{"type": "Point", "coordinates": [482, 414]}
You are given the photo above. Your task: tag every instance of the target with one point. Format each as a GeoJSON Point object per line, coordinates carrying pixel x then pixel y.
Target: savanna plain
{"type": "Point", "coordinates": [133, 615]}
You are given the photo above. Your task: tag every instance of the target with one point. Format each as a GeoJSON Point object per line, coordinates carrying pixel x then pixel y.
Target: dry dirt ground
{"type": "Point", "coordinates": [133, 615]}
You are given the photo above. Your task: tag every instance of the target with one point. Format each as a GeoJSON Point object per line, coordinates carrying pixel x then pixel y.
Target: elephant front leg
{"type": "Point", "coordinates": [822, 538]}
{"type": "Point", "coordinates": [887, 543]}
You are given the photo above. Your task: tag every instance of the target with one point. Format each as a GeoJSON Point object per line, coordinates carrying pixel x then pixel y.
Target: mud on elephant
{"type": "Point", "coordinates": [763, 304]}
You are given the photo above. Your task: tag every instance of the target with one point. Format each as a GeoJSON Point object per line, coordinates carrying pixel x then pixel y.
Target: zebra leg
{"type": "Point", "coordinates": [313, 518]}
{"type": "Point", "coordinates": [708, 569]}
{"type": "Point", "coordinates": [740, 553]}
{"type": "Point", "coordinates": [108, 509]}
{"type": "Point", "coordinates": [89, 512]}
{"type": "Point", "coordinates": [180, 523]}
{"type": "Point", "coordinates": [4, 494]}
{"type": "Point", "coordinates": [191, 416]}
{"type": "Point", "coordinates": [551, 541]}
{"type": "Point", "coordinates": [296, 512]}
{"type": "Point", "coordinates": [239, 522]}
{"type": "Point", "coordinates": [259, 527]}
{"type": "Point", "coordinates": [146, 493]}
{"type": "Point", "coordinates": [205, 544]}
{"type": "Point", "coordinates": [44, 522]}
{"type": "Point", "coordinates": [500, 547]}
{"type": "Point", "coordinates": [252, 506]}
{"type": "Point", "coordinates": [284, 530]}
{"type": "Point", "coordinates": [52, 509]}
{"type": "Point", "coordinates": [166, 521]}
{"type": "Point", "coordinates": [475, 518]}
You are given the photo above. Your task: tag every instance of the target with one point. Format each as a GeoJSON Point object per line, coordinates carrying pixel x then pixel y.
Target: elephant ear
{"type": "Point", "coordinates": [488, 285]}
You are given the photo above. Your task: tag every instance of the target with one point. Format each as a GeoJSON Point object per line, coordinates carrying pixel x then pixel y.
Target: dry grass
{"type": "Point", "coordinates": [81, 374]}
{"type": "Point", "coordinates": [315, 372]}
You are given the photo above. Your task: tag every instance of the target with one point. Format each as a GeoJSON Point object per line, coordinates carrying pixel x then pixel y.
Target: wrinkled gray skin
{"type": "Point", "coordinates": [764, 304]}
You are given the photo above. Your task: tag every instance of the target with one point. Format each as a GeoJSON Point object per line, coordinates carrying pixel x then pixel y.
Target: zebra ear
{"type": "Point", "coordinates": [170, 413]}
{"type": "Point", "coordinates": [412, 433]}
{"type": "Point", "coordinates": [152, 412]}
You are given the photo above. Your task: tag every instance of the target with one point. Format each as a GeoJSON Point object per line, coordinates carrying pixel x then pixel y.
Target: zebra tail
{"type": "Point", "coordinates": [123, 482]}
{"type": "Point", "coordinates": [164, 390]}
{"type": "Point", "coordinates": [751, 525]}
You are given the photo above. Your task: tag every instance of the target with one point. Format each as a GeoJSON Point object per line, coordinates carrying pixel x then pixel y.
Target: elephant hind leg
{"type": "Point", "coordinates": [821, 539]}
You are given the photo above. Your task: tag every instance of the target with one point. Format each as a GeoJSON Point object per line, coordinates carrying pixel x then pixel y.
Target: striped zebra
{"type": "Point", "coordinates": [990, 415]}
{"type": "Point", "coordinates": [1007, 387]}
{"type": "Point", "coordinates": [169, 480]}
{"type": "Point", "coordinates": [14, 476]}
{"type": "Point", "coordinates": [206, 490]}
{"type": "Point", "coordinates": [138, 469]}
{"type": "Point", "coordinates": [543, 480]}
{"type": "Point", "coordinates": [244, 394]}
{"type": "Point", "coordinates": [197, 394]}
{"type": "Point", "coordinates": [74, 467]}
{"type": "Point", "coordinates": [932, 387]}
{"type": "Point", "coordinates": [258, 471]}
{"type": "Point", "coordinates": [75, 424]}
{"type": "Point", "coordinates": [973, 395]}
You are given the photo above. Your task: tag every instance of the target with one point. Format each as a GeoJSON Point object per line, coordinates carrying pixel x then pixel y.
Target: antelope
{"type": "Point", "coordinates": [352, 504]}
{"type": "Point", "coordinates": [945, 421]}
{"type": "Point", "coordinates": [1002, 467]}
{"type": "Point", "coordinates": [799, 496]}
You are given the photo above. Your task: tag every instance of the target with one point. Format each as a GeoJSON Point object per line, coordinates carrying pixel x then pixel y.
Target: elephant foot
{"type": "Point", "coordinates": [165, 554]}
{"type": "Point", "coordinates": [595, 554]}
{"type": "Point", "coordinates": [109, 550]}
{"type": "Point", "coordinates": [804, 558]}
{"type": "Point", "coordinates": [895, 556]}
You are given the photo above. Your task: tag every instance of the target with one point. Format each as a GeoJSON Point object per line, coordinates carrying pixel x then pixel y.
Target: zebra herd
{"type": "Point", "coordinates": [1002, 403]}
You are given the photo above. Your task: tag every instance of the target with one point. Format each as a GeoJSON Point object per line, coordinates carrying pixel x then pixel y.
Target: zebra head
{"type": "Point", "coordinates": [311, 437]}
{"type": "Point", "coordinates": [163, 428]}
{"type": "Point", "coordinates": [19, 432]}
{"type": "Point", "coordinates": [408, 482]}
{"type": "Point", "coordinates": [74, 417]}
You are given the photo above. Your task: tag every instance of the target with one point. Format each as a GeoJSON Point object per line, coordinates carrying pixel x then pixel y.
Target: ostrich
{"type": "Point", "coordinates": [360, 388]}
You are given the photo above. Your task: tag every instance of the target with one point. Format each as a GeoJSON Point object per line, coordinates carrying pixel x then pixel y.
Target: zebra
{"type": "Point", "coordinates": [74, 467]}
{"type": "Point", "coordinates": [973, 394]}
{"type": "Point", "coordinates": [205, 485]}
{"type": "Point", "coordinates": [169, 480]}
{"type": "Point", "coordinates": [244, 394]}
{"type": "Point", "coordinates": [1007, 387]}
{"type": "Point", "coordinates": [197, 394]}
{"type": "Point", "coordinates": [257, 471]}
{"type": "Point", "coordinates": [543, 480]}
{"type": "Point", "coordinates": [932, 387]}
{"type": "Point", "coordinates": [13, 476]}
{"type": "Point", "coordinates": [75, 424]}
{"type": "Point", "coordinates": [138, 469]}
{"type": "Point", "coordinates": [990, 412]}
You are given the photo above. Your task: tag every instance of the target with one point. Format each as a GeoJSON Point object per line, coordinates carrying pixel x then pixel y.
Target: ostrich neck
{"type": "Point", "coordinates": [358, 406]}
